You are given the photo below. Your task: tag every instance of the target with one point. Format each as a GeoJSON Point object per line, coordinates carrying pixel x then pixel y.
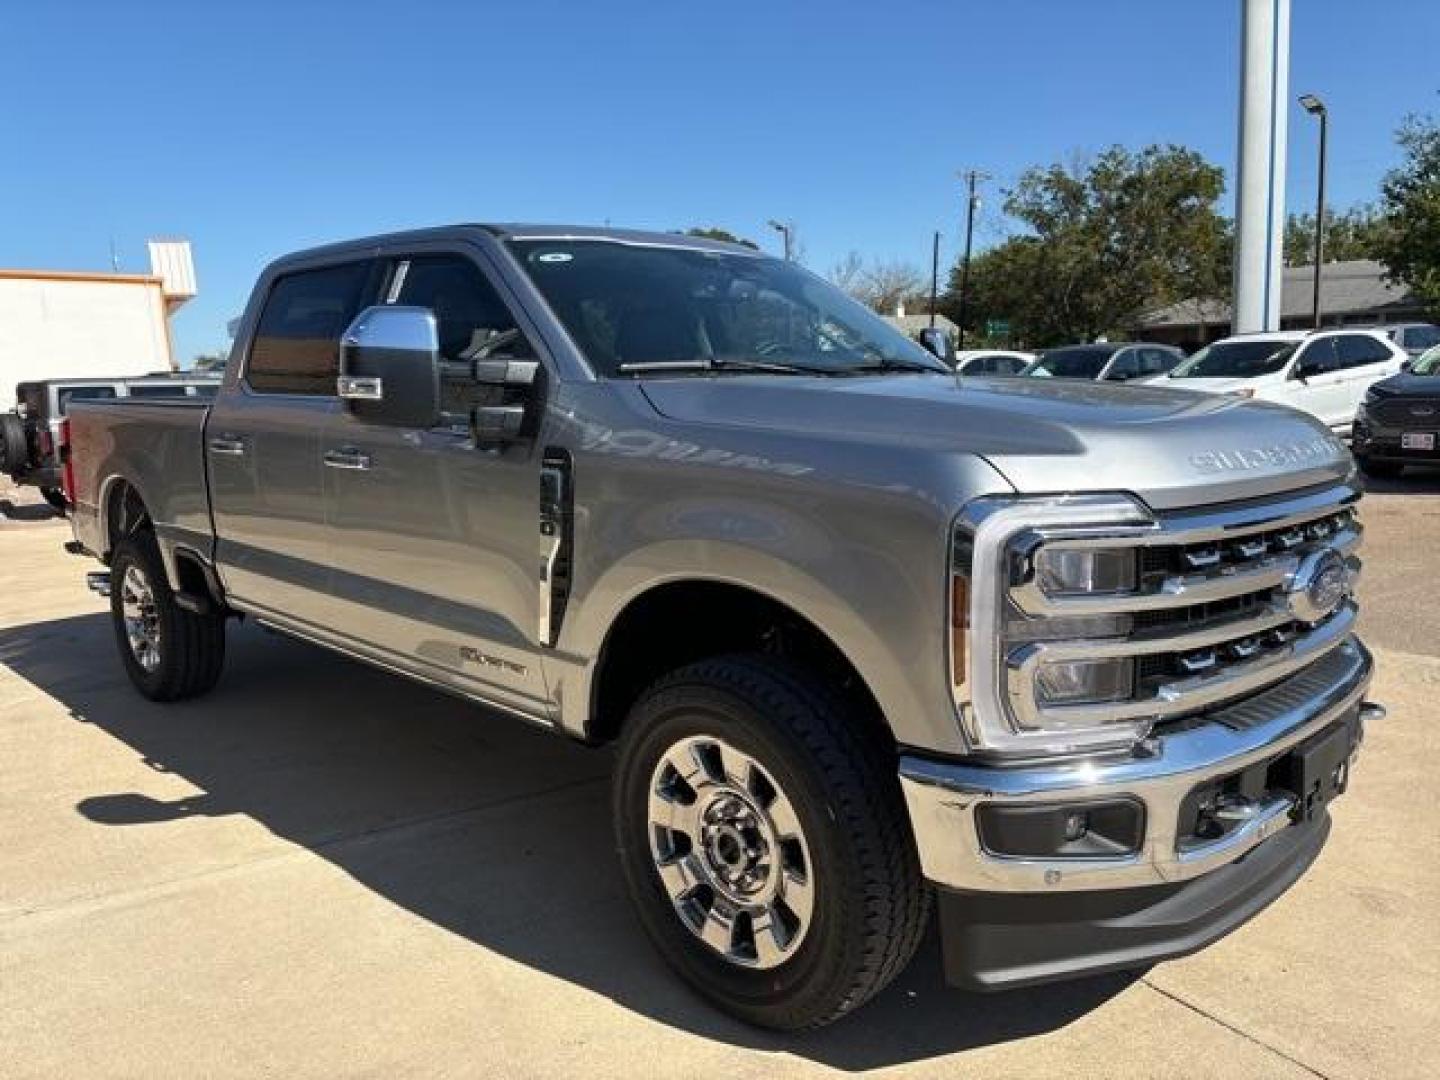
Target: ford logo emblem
{"type": "Point", "coordinates": [1319, 585]}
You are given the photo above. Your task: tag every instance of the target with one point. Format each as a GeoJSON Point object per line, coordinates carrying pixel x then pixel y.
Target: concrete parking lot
{"type": "Point", "coordinates": [321, 870]}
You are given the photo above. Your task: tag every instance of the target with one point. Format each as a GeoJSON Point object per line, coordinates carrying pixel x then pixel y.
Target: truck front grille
{"type": "Point", "coordinates": [1212, 616]}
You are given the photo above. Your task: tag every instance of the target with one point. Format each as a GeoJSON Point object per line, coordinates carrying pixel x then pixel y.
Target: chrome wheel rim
{"type": "Point", "coordinates": [730, 852]}
{"type": "Point", "coordinates": [142, 618]}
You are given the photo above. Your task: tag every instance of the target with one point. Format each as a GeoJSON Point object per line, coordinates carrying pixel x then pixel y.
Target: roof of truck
{"type": "Point", "coordinates": [529, 231]}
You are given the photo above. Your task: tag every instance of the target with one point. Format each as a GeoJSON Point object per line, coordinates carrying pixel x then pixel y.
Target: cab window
{"type": "Point", "coordinates": [473, 322]}
{"type": "Point", "coordinates": [297, 341]}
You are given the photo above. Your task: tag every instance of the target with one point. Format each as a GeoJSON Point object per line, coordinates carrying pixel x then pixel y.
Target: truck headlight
{"type": "Point", "coordinates": [1061, 547]}
{"type": "Point", "coordinates": [1088, 681]}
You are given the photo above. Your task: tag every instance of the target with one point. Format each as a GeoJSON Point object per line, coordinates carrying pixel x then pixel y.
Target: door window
{"type": "Point", "coordinates": [1357, 350]}
{"type": "Point", "coordinates": [297, 343]}
{"type": "Point", "coordinates": [1318, 357]}
{"type": "Point", "coordinates": [1126, 365]}
{"type": "Point", "coordinates": [473, 322]}
{"type": "Point", "coordinates": [1157, 361]}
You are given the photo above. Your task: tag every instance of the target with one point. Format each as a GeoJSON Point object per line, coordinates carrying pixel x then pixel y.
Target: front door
{"type": "Point", "coordinates": [1321, 392]}
{"type": "Point", "coordinates": [434, 538]}
{"type": "Point", "coordinates": [262, 443]}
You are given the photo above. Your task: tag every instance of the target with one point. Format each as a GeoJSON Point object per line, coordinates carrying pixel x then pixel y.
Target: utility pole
{"type": "Point", "coordinates": [971, 178]}
{"type": "Point", "coordinates": [934, 274]}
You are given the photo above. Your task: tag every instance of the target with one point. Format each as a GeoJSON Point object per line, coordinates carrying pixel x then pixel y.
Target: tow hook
{"type": "Point", "coordinates": [98, 581]}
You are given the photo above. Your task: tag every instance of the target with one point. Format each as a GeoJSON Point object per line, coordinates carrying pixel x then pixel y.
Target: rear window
{"type": "Point", "coordinates": [157, 391]}
{"type": "Point", "coordinates": [297, 343]}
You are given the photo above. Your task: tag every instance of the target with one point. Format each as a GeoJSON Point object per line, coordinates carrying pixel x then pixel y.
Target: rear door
{"type": "Point", "coordinates": [434, 537]}
{"type": "Point", "coordinates": [262, 444]}
{"type": "Point", "coordinates": [1363, 359]}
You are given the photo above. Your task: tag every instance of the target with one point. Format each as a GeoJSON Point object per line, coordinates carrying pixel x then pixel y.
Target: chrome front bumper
{"type": "Point", "coordinates": [943, 797]}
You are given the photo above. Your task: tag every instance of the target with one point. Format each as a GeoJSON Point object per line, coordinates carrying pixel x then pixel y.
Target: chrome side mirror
{"type": "Point", "coordinates": [390, 366]}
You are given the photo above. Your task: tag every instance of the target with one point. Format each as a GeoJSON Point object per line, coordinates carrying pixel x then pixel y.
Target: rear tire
{"type": "Point", "coordinates": [1380, 470]}
{"type": "Point", "coordinates": [821, 820]}
{"type": "Point", "coordinates": [168, 652]}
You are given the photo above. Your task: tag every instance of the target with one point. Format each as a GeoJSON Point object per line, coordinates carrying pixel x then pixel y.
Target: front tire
{"type": "Point", "coordinates": [169, 653]}
{"type": "Point", "coordinates": [765, 842]}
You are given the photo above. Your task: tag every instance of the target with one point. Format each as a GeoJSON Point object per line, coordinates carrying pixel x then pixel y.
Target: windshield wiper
{"type": "Point", "coordinates": [886, 364]}
{"type": "Point", "coordinates": [719, 363]}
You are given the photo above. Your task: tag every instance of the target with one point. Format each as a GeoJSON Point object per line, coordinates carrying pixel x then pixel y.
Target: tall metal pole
{"type": "Point", "coordinates": [934, 274]}
{"type": "Point", "coordinates": [971, 178]}
{"type": "Point", "coordinates": [1260, 176]}
{"type": "Point", "coordinates": [1315, 107]}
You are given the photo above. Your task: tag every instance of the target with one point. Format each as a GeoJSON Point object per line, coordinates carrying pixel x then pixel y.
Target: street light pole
{"type": "Point", "coordinates": [971, 178]}
{"type": "Point", "coordinates": [934, 274]}
{"type": "Point", "coordinates": [786, 231]}
{"type": "Point", "coordinates": [1315, 107]}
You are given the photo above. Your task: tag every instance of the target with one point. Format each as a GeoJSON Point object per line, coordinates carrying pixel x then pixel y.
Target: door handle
{"type": "Point", "coordinates": [347, 458]}
{"type": "Point", "coordinates": [229, 445]}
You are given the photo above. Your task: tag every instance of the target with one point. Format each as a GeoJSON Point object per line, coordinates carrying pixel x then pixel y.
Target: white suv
{"type": "Point", "coordinates": [1324, 373]}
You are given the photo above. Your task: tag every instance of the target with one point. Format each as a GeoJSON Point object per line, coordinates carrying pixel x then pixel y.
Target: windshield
{"type": "Point", "coordinates": [1079, 363]}
{"type": "Point", "coordinates": [1235, 360]}
{"type": "Point", "coordinates": [633, 307]}
{"type": "Point", "coordinates": [1428, 362]}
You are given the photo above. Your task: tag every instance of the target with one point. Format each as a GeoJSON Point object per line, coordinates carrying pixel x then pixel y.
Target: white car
{"type": "Point", "coordinates": [1324, 373]}
{"type": "Point", "coordinates": [992, 361]}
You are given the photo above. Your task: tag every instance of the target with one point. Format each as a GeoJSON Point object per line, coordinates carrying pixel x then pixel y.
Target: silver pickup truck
{"type": "Point", "coordinates": [1070, 664]}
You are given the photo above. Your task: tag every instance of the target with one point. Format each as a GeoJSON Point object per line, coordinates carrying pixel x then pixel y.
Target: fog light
{"type": "Point", "coordinates": [1072, 681]}
{"type": "Point", "coordinates": [1064, 571]}
{"type": "Point", "coordinates": [1056, 831]}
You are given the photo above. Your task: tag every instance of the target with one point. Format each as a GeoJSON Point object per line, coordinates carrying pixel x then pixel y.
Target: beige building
{"type": "Point", "coordinates": [60, 324]}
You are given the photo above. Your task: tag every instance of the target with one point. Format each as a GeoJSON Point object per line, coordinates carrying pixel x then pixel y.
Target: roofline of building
{"type": "Point", "coordinates": [80, 275]}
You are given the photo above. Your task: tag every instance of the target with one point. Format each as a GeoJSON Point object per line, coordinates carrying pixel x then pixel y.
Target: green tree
{"type": "Point", "coordinates": [1102, 243]}
{"type": "Point", "coordinates": [1409, 244]}
{"type": "Point", "coordinates": [1349, 234]}
{"type": "Point", "coordinates": [716, 233]}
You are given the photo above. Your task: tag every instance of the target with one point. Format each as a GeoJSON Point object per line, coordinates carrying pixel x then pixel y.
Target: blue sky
{"type": "Point", "coordinates": [256, 128]}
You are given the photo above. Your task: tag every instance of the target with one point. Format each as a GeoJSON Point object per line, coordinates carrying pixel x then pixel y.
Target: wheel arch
{"type": "Point", "coordinates": [724, 616]}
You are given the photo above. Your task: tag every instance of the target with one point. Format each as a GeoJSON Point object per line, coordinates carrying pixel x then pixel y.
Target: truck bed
{"type": "Point", "coordinates": [158, 447]}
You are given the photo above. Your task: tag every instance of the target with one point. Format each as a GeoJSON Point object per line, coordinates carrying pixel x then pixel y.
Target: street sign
{"type": "Point", "coordinates": [997, 328]}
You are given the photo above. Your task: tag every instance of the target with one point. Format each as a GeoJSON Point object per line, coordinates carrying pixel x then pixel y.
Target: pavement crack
{"type": "Point", "coordinates": [1198, 1011]}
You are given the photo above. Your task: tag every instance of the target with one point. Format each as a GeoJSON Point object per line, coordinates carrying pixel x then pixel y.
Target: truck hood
{"type": "Point", "coordinates": [1172, 448]}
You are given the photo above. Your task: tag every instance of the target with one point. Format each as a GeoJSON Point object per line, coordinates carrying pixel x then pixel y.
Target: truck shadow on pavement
{"type": "Point", "coordinates": [492, 830]}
